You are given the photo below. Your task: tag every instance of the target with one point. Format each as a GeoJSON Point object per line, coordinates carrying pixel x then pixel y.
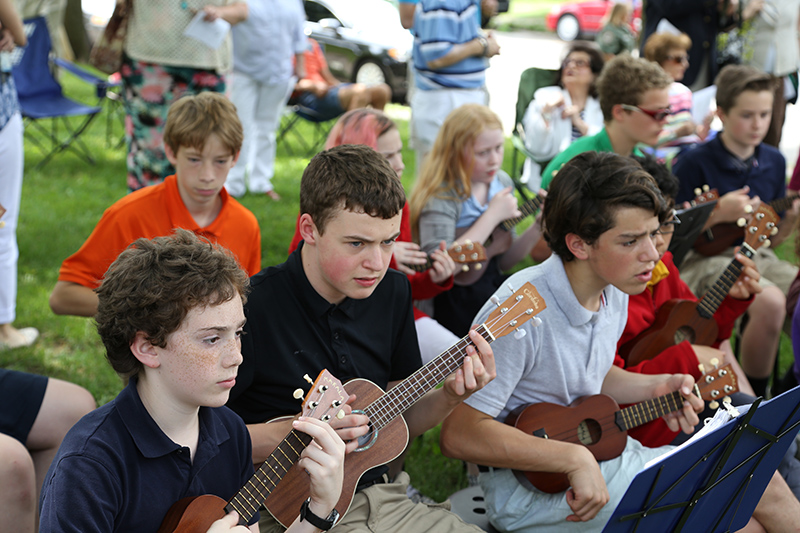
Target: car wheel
{"type": "Point", "coordinates": [568, 28]}
{"type": "Point", "coordinates": [370, 73]}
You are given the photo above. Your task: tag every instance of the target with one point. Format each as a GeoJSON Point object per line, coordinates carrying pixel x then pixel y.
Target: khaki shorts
{"type": "Point", "coordinates": [385, 508]}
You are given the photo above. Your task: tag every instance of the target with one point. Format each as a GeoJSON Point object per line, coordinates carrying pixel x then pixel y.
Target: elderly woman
{"type": "Point", "coordinates": [559, 114]}
{"type": "Point", "coordinates": [671, 52]}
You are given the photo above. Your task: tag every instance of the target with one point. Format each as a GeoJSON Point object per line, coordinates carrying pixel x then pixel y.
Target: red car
{"type": "Point", "coordinates": [580, 19]}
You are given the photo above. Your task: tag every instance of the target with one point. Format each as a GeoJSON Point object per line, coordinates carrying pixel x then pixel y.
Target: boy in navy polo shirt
{"type": "Point", "coordinates": [170, 316]}
{"type": "Point", "coordinates": [746, 172]}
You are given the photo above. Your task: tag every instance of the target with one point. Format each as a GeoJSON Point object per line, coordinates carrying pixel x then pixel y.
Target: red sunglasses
{"type": "Point", "coordinates": [656, 114]}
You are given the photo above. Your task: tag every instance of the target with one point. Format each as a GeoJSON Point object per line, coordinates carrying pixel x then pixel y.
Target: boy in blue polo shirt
{"type": "Point", "coordinates": [171, 319]}
{"type": "Point", "coordinates": [746, 172]}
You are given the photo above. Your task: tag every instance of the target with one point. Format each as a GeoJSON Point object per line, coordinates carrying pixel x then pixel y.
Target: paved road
{"type": "Point", "coordinates": [521, 50]}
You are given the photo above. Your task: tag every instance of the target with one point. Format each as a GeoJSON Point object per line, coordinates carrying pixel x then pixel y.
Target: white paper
{"type": "Point", "coordinates": [209, 33]}
{"type": "Point", "coordinates": [701, 103]}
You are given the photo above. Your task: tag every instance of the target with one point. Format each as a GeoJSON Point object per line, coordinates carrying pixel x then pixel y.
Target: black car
{"type": "Point", "coordinates": [363, 41]}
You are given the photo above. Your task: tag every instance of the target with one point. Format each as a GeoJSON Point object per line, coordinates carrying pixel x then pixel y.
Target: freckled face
{"type": "Point", "coordinates": [198, 366]}
{"type": "Point", "coordinates": [352, 256]}
{"type": "Point", "coordinates": [625, 255]}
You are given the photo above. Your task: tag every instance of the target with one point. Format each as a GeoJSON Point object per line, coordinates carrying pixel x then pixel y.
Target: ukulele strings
{"type": "Point", "coordinates": [250, 498]}
{"type": "Point", "coordinates": [409, 391]}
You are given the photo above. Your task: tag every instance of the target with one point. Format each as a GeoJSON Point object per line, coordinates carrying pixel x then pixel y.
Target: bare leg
{"type": "Point", "coordinates": [762, 334]}
{"type": "Point", "coordinates": [63, 404]}
{"type": "Point", "coordinates": [354, 96]}
{"type": "Point", "coordinates": [778, 510]}
{"type": "Point", "coordinates": [18, 496]}
{"type": "Point", "coordinates": [379, 96]}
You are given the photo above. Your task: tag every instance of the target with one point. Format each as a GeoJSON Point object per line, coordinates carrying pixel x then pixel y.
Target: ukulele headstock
{"type": "Point", "coordinates": [325, 398]}
{"type": "Point", "coordinates": [467, 253]}
{"type": "Point", "coordinates": [717, 384]}
{"type": "Point", "coordinates": [520, 307]}
{"type": "Point", "coordinates": [704, 195]}
{"type": "Point", "coordinates": [763, 225]}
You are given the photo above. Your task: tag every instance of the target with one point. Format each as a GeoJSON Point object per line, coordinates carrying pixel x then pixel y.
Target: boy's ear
{"type": "Point", "coordinates": [235, 157]}
{"type": "Point", "coordinates": [308, 230]}
{"type": "Point", "coordinates": [171, 155]}
{"type": "Point", "coordinates": [144, 351]}
{"type": "Point", "coordinates": [723, 116]}
{"type": "Point", "coordinates": [617, 112]}
{"type": "Point", "coordinates": [577, 246]}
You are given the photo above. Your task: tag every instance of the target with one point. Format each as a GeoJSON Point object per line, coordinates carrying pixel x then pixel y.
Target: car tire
{"type": "Point", "coordinates": [370, 72]}
{"type": "Point", "coordinates": [568, 28]}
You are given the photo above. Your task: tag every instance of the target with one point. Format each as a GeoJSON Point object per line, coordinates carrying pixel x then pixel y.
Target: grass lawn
{"type": "Point", "coordinates": [61, 204]}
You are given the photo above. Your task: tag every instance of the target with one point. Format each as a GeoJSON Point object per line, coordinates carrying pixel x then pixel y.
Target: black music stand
{"type": "Point", "coordinates": [686, 233]}
{"type": "Point", "coordinates": [712, 484]}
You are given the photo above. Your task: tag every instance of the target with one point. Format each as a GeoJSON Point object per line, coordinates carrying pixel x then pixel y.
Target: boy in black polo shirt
{"type": "Point", "coordinates": [334, 304]}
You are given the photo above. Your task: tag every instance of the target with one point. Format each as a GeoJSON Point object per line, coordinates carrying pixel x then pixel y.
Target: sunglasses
{"type": "Point", "coordinates": [678, 59]}
{"type": "Point", "coordinates": [579, 63]}
{"type": "Point", "coordinates": [656, 114]}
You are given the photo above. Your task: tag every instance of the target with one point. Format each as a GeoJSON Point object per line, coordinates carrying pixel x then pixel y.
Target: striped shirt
{"type": "Point", "coordinates": [438, 26]}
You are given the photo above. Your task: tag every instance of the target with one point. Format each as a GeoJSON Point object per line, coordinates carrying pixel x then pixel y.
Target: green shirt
{"type": "Point", "coordinates": [594, 143]}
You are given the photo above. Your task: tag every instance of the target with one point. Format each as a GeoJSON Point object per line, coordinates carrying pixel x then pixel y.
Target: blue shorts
{"type": "Point", "coordinates": [326, 108]}
{"type": "Point", "coordinates": [21, 396]}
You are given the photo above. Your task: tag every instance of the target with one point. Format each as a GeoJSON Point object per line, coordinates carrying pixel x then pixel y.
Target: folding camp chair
{"type": "Point", "coordinates": [529, 82]}
{"type": "Point", "coordinates": [296, 114]}
{"type": "Point", "coordinates": [41, 97]}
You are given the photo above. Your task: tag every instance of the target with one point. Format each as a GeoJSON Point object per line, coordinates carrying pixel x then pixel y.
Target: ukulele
{"type": "Point", "coordinates": [720, 237]}
{"type": "Point", "coordinates": [463, 254]}
{"type": "Point", "coordinates": [388, 435]}
{"type": "Point", "coordinates": [528, 208]}
{"type": "Point", "coordinates": [196, 514]}
{"type": "Point", "coordinates": [598, 423]}
{"type": "Point", "coordinates": [679, 320]}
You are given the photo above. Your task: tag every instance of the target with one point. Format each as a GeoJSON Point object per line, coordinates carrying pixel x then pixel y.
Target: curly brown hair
{"type": "Point", "coordinates": [353, 177]}
{"type": "Point", "coordinates": [625, 79]}
{"type": "Point", "coordinates": [153, 285]}
{"type": "Point", "coordinates": [586, 192]}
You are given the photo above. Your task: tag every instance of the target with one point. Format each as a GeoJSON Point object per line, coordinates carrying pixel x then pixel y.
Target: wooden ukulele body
{"type": "Point", "coordinates": [677, 320]}
{"type": "Point", "coordinates": [588, 427]}
{"type": "Point", "coordinates": [718, 238]}
{"type": "Point", "coordinates": [390, 443]}
{"type": "Point", "coordinates": [194, 514]}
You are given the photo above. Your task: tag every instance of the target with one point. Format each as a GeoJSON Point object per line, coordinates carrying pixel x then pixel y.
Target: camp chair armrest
{"type": "Point", "coordinates": [519, 145]}
{"type": "Point", "coordinates": [101, 84]}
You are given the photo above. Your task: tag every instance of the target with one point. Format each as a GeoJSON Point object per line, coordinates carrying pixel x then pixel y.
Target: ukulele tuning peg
{"type": "Point", "coordinates": [536, 321]}
{"type": "Point", "coordinates": [697, 191]}
{"type": "Point", "coordinates": [706, 188]}
{"type": "Point", "coordinates": [727, 399]}
{"type": "Point", "coordinates": [741, 222]}
{"type": "Point", "coordinates": [457, 248]}
{"type": "Point", "coordinates": [774, 230]}
{"type": "Point", "coordinates": [468, 242]}
{"type": "Point", "coordinates": [702, 368]}
{"type": "Point", "coordinates": [715, 362]}
{"type": "Point", "coordinates": [767, 243]}
{"type": "Point", "coordinates": [462, 258]}
{"type": "Point", "coordinates": [495, 300]}
{"type": "Point", "coordinates": [340, 414]}
{"type": "Point", "coordinates": [510, 287]}
{"type": "Point", "coordinates": [470, 246]}
{"type": "Point", "coordinates": [760, 216]}
{"type": "Point", "coordinates": [322, 388]}
{"type": "Point", "coordinates": [308, 379]}
{"type": "Point", "coordinates": [464, 268]}
{"type": "Point", "coordinates": [298, 394]}
{"type": "Point", "coordinates": [478, 266]}
{"type": "Point", "coordinates": [714, 404]}
{"type": "Point", "coordinates": [748, 209]}
{"type": "Point", "coordinates": [519, 333]}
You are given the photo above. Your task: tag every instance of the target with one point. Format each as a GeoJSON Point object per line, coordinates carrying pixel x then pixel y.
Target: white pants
{"type": "Point", "coordinates": [259, 107]}
{"type": "Point", "coordinates": [433, 338]}
{"type": "Point", "coordinates": [11, 155]}
{"type": "Point", "coordinates": [430, 108]}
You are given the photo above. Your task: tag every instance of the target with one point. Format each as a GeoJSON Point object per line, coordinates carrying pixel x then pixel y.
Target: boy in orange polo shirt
{"type": "Point", "coordinates": [202, 139]}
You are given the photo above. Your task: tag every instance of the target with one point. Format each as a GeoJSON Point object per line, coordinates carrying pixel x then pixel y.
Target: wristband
{"type": "Point", "coordinates": [485, 44]}
{"type": "Point", "coordinates": [321, 523]}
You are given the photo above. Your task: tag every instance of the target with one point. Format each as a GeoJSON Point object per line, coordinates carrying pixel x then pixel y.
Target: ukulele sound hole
{"type": "Point", "coordinates": [684, 334]}
{"type": "Point", "coordinates": [366, 441]}
{"type": "Point", "coordinates": [589, 432]}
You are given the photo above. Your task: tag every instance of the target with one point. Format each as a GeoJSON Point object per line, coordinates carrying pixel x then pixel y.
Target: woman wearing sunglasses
{"type": "Point", "coordinates": [671, 52]}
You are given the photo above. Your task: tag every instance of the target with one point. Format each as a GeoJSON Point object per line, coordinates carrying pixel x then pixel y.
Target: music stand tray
{"type": "Point", "coordinates": [713, 483]}
{"type": "Point", "coordinates": [686, 233]}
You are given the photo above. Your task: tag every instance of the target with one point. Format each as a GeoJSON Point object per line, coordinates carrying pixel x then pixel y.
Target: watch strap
{"type": "Point", "coordinates": [322, 523]}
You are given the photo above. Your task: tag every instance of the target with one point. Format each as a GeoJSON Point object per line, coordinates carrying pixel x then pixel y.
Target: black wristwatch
{"type": "Point", "coordinates": [322, 523]}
